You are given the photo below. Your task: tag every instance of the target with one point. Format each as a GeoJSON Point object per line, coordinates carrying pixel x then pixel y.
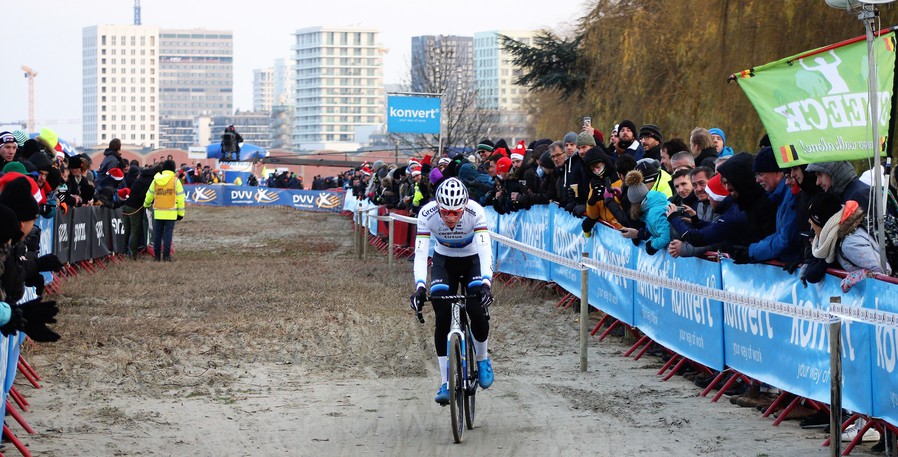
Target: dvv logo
{"type": "Point", "coordinates": [327, 200]}
{"type": "Point", "coordinates": [203, 195]}
{"type": "Point", "coordinates": [266, 196]}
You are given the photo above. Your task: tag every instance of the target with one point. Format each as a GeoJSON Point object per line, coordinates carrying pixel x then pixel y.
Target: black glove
{"type": "Point", "coordinates": [16, 322]}
{"type": "Point", "coordinates": [37, 311]}
{"type": "Point", "coordinates": [644, 233]}
{"type": "Point", "coordinates": [578, 210]}
{"type": "Point", "coordinates": [649, 249]}
{"type": "Point", "coordinates": [180, 217]}
{"type": "Point", "coordinates": [792, 266]}
{"type": "Point", "coordinates": [486, 299]}
{"type": "Point", "coordinates": [417, 302]}
{"type": "Point", "coordinates": [588, 224]}
{"type": "Point", "coordinates": [740, 255]}
{"type": "Point", "coordinates": [570, 194]}
{"type": "Point", "coordinates": [598, 193]}
{"type": "Point", "coordinates": [636, 241]}
{"type": "Point", "coordinates": [48, 262]}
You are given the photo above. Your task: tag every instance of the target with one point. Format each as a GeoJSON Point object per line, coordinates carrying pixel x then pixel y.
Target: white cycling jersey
{"type": "Point", "coordinates": [469, 237]}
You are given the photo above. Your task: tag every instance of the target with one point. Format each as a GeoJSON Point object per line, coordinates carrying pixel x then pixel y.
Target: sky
{"type": "Point", "coordinates": [46, 36]}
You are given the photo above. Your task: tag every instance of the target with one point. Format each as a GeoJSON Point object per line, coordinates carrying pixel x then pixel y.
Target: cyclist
{"type": "Point", "coordinates": [463, 251]}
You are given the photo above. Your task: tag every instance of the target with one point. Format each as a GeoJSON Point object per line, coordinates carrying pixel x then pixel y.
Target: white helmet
{"type": "Point", "coordinates": [452, 195]}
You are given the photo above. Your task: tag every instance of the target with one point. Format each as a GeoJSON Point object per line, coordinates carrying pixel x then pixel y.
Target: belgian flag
{"type": "Point", "coordinates": [889, 42]}
{"type": "Point", "coordinates": [788, 154]}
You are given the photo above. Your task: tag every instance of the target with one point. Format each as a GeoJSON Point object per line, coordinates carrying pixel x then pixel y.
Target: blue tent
{"type": "Point", "coordinates": [248, 152]}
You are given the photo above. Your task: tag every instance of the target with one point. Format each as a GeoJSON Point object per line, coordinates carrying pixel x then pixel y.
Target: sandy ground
{"type": "Point", "coordinates": [267, 337]}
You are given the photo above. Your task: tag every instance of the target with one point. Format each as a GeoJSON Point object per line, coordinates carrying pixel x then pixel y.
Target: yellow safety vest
{"type": "Point", "coordinates": [165, 196]}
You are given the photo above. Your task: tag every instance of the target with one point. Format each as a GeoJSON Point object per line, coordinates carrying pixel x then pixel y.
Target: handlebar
{"type": "Point", "coordinates": [420, 315]}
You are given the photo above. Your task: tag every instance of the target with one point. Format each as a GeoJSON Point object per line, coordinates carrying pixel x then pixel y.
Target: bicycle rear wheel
{"type": "Point", "coordinates": [470, 384]}
{"type": "Point", "coordinates": [456, 388]}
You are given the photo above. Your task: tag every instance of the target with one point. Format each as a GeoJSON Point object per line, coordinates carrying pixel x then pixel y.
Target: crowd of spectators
{"type": "Point", "coordinates": [63, 182]}
{"type": "Point", "coordinates": [686, 196]}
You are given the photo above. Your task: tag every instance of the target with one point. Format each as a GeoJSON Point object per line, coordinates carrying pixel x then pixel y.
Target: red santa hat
{"type": "Point", "coordinates": [116, 174]}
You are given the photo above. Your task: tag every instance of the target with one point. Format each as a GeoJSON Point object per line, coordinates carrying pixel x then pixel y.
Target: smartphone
{"type": "Point", "coordinates": [587, 121]}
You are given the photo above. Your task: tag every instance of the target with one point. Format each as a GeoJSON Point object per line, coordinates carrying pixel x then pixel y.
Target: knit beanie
{"type": "Point", "coordinates": [17, 167]}
{"type": "Point", "coordinates": [21, 137]}
{"type": "Point", "coordinates": [628, 124]}
{"type": "Point", "coordinates": [651, 130]}
{"type": "Point", "coordinates": [486, 145]}
{"type": "Point", "coordinates": [503, 165]}
{"type": "Point", "coordinates": [545, 161]}
{"type": "Point", "coordinates": [718, 132]}
{"type": "Point", "coordinates": [765, 161]}
{"type": "Point", "coordinates": [585, 139]}
{"type": "Point", "coordinates": [650, 169]}
{"type": "Point", "coordinates": [570, 137]}
{"type": "Point", "coordinates": [715, 189]}
{"type": "Point", "coordinates": [636, 190]}
{"type": "Point", "coordinates": [435, 176]}
{"type": "Point", "coordinates": [18, 196]}
{"type": "Point", "coordinates": [823, 207]}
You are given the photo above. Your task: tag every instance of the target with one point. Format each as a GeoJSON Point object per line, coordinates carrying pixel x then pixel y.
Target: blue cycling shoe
{"type": "Point", "coordinates": [442, 395]}
{"type": "Point", "coordinates": [485, 373]}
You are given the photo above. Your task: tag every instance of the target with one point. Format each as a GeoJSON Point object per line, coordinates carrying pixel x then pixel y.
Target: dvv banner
{"type": "Point", "coordinates": [413, 114]}
{"type": "Point", "coordinates": [815, 105]}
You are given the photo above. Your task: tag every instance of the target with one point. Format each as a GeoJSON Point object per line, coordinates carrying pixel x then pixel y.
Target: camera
{"type": "Point", "coordinates": [681, 210]}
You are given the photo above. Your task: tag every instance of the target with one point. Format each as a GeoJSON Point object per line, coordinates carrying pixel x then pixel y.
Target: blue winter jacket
{"type": "Point", "coordinates": [782, 244]}
{"type": "Point", "coordinates": [654, 209]}
{"type": "Point", "coordinates": [730, 228]}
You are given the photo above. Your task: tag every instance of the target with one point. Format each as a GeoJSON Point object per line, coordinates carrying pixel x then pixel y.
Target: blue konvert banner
{"type": "Point", "coordinates": [413, 114]}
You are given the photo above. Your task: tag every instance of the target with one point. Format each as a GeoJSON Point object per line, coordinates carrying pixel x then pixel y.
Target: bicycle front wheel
{"type": "Point", "coordinates": [456, 388]}
{"type": "Point", "coordinates": [470, 384]}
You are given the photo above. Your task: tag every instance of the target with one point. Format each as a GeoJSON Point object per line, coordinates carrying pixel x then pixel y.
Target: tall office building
{"type": "Point", "coordinates": [494, 80]}
{"type": "Point", "coordinates": [120, 88]}
{"type": "Point", "coordinates": [338, 86]}
{"type": "Point", "coordinates": [443, 63]}
{"type": "Point", "coordinates": [196, 72]}
{"type": "Point", "coordinates": [196, 69]}
{"type": "Point", "coordinates": [282, 83]}
{"type": "Point", "coordinates": [263, 88]}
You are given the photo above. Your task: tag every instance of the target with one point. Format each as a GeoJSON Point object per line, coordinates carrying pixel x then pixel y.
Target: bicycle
{"type": "Point", "coordinates": [463, 376]}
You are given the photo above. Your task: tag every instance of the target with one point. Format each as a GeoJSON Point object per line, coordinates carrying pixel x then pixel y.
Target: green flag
{"type": "Point", "coordinates": [815, 105]}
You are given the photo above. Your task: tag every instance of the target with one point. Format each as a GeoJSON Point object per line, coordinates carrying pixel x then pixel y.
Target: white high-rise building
{"type": "Point", "coordinates": [263, 88]}
{"type": "Point", "coordinates": [120, 90]}
{"type": "Point", "coordinates": [494, 80]}
{"type": "Point", "coordinates": [338, 86]}
{"type": "Point", "coordinates": [282, 83]}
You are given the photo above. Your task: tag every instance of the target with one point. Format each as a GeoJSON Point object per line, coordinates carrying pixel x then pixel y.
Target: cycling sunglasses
{"type": "Point", "coordinates": [451, 212]}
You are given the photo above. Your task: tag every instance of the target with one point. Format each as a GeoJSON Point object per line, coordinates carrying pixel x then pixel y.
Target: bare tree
{"type": "Point", "coordinates": [443, 66]}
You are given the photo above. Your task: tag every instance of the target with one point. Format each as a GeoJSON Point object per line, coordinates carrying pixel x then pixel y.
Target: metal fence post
{"type": "Point", "coordinates": [390, 251]}
{"type": "Point", "coordinates": [584, 314]}
{"type": "Point", "coordinates": [835, 382]}
{"type": "Point", "coordinates": [359, 232]}
{"type": "Point", "coordinates": [364, 238]}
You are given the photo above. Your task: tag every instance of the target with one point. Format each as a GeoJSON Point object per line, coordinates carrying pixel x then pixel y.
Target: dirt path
{"type": "Point", "coordinates": [267, 337]}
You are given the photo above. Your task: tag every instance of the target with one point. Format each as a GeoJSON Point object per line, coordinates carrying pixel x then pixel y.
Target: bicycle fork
{"type": "Point", "coordinates": [455, 329]}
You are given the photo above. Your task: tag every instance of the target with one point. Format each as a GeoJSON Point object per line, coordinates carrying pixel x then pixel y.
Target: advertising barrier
{"type": "Point", "coordinates": [228, 195]}
{"type": "Point", "coordinates": [611, 293]}
{"type": "Point", "coordinates": [677, 319]}
{"type": "Point", "coordinates": [784, 346]}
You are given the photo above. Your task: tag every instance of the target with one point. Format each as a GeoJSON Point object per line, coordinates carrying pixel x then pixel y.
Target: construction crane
{"type": "Point", "coordinates": [30, 74]}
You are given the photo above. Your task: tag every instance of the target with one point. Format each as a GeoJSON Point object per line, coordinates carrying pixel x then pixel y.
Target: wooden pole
{"type": "Point", "coordinates": [835, 383]}
{"type": "Point", "coordinates": [584, 315]}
